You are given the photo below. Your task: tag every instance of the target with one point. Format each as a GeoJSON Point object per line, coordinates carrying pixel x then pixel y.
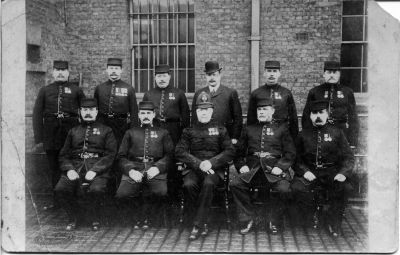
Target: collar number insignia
{"type": "Point", "coordinates": [153, 134]}
{"type": "Point", "coordinates": [340, 94]}
{"type": "Point", "coordinates": [213, 131]}
{"type": "Point", "coordinates": [327, 138]}
{"type": "Point", "coordinates": [326, 94]}
{"type": "Point", "coordinates": [96, 131]}
{"type": "Point", "coordinates": [123, 92]}
{"type": "Point", "coordinates": [171, 96]}
{"type": "Point", "coordinates": [277, 95]}
{"type": "Point", "coordinates": [270, 131]}
{"type": "Point", "coordinates": [67, 90]}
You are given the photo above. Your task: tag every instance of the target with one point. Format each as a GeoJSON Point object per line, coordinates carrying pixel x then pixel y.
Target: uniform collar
{"type": "Point", "coordinates": [215, 89]}
{"type": "Point", "coordinates": [271, 86]}
{"type": "Point", "coordinates": [146, 125]}
{"type": "Point", "coordinates": [116, 81]}
{"type": "Point", "coordinates": [165, 89]}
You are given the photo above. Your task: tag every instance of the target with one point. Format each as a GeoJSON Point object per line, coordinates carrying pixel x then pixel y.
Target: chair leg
{"type": "Point", "coordinates": [228, 218]}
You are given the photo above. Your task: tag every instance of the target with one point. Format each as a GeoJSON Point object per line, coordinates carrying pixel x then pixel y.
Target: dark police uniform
{"type": "Point", "coordinates": [173, 114]}
{"type": "Point", "coordinates": [55, 112]}
{"type": "Point", "coordinates": [325, 152]}
{"type": "Point", "coordinates": [285, 108]}
{"type": "Point", "coordinates": [342, 106]}
{"type": "Point", "coordinates": [117, 104]}
{"type": "Point", "coordinates": [88, 147]}
{"type": "Point", "coordinates": [203, 142]}
{"type": "Point", "coordinates": [227, 108]}
{"type": "Point", "coordinates": [142, 148]}
{"type": "Point", "coordinates": [263, 146]}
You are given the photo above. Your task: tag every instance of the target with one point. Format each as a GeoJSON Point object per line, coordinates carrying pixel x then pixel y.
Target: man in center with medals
{"type": "Point", "coordinates": [266, 154]}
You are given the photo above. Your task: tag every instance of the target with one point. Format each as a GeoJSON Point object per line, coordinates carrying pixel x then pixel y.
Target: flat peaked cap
{"type": "Point", "coordinates": [272, 64]}
{"type": "Point", "coordinates": [265, 102]}
{"type": "Point", "coordinates": [114, 62]}
{"type": "Point", "coordinates": [146, 105]}
{"type": "Point", "coordinates": [331, 65]}
{"type": "Point", "coordinates": [204, 101]}
{"type": "Point", "coordinates": [211, 67]}
{"type": "Point", "coordinates": [161, 69]}
{"type": "Point", "coordinates": [318, 105]}
{"type": "Point", "coordinates": [59, 64]}
{"type": "Point", "coordinates": [88, 102]}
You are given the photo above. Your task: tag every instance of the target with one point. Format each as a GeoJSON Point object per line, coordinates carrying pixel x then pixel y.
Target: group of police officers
{"type": "Point", "coordinates": [91, 141]}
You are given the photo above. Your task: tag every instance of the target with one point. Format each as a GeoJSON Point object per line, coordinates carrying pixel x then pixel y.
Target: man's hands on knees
{"type": "Point", "coordinates": [339, 178]}
{"type": "Point", "coordinates": [276, 171]}
{"type": "Point", "coordinates": [135, 175]}
{"type": "Point", "coordinates": [90, 175]}
{"type": "Point", "coordinates": [309, 176]}
{"type": "Point", "coordinates": [244, 169]}
{"type": "Point", "coordinates": [205, 166]}
{"type": "Point", "coordinates": [152, 172]}
{"type": "Point", "coordinates": [72, 175]}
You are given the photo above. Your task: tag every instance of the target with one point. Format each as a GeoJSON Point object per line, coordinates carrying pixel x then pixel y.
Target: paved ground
{"type": "Point", "coordinates": [45, 231]}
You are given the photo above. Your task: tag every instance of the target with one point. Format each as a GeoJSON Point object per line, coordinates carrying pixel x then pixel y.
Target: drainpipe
{"type": "Point", "coordinates": [255, 44]}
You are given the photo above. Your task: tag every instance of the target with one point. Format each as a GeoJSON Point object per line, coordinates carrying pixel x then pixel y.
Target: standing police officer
{"type": "Point", "coordinates": [117, 100]}
{"type": "Point", "coordinates": [54, 114]}
{"type": "Point", "coordinates": [85, 162]}
{"type": "Point", "coordinates": [342, 105]}
{"type": "Point", "coordinates": [172, 113]}
{"type": "Point", "coordinates": [324, 161]}
{"type": "Point", "coordinates": [206, 149]}
{"type": "Point", "coordinates": [266, 154]}
{"type": "Point", "coordinates": [227, 108]}
{"type": "Point", "coordinates": [282, 98]}
{"type": "Point", "coordinates": [144, 157]}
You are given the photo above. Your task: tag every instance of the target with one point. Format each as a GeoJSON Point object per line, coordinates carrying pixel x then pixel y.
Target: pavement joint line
{"type": "Point", "coordinates": [164, 239]}
{"type": "Point", "coordinates": [151, 239]}
{"type": "Point", "coordinates": [354, 232]}
{"type": "Point", "coordinates": [308, 239]}
{"type": "Point", "coordinates": [217, 239]}
{"type": "Point", "coordinates": [119, 231]}
{"type": "Point", "coordinates": [178, 237]}
{"type": "Point", "coordinates": [126, 238]}
{"type": "Point", "coordinates": [357, 221]}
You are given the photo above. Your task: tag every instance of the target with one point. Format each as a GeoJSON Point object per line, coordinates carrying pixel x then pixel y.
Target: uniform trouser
{"type": "Point", "coordinates": [241, 195]}
{"type": "Point", "coordinates": [68, 192]}
{"type": "Point", "coordinates": [137, 201]}
{"type": "Point", "coordinates": [307, 201]}
{"type": "Point", "coordinates": [199, 190]}
{"type": "Point", "coordinates": [54, 168]}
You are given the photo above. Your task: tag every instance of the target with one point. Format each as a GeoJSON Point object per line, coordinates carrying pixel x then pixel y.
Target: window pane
{"type": "Point", "coordinates": [365, 54]}
{"type": "Point", "coordinates": [136, 81]}
{"type": "Point", "coordinates": [191, 29]}
{"type": "Point", "coordinates": [136, 60]}
{"type": "Point", "coordinates": [351, 78]}
{"type": "Point", "coordinates": [135, 5]}
{"type": "Point", "coordinates": [172, 80]}
{"type": "Point", "coordinates": [172, 56]}
{"type": "Point", "coordinates": [191, 6]}
{"type": "Point", "coordinates": [163, 57]}
{"type": "Point", "coordinates": [182, 80]}
{"type": "Point", "coordinates": [136, 24]}
{"type": "Point", "coordinates": [182, 57]}
{"type": "Point", "coordinates": [163, 31]}
{"type": "Point", "coordinates": [144, 61]}
{"type": "Point", "coordinates": [144, 6]}
{"type": "Point", "coordinates": [191, 81]}
{"type": "Point", "coordinates": [364, 86]}
{"type": "Point", "coordinates": [144, 29]}
{"type": "Point", "coordinates": [351, 55]}
{"type": "Point", "coordinates": [352, 29]}
{"type": "Point", "coordinates": [154, 6]}
{"type": "Point", "coordinates": [183, 7]}
{"type": "Point", "coordinates": [182, 24]}
{"type": "Point", "coordinates": [143, 80]}
{"type": "Point", "coordinates": [355, 7]}
{"type": "Point", "coordinates": [172, 29]}
{"type": "Point", "coordinates": [163, 5]}
{"type": "Point", "coordinates": [191, 57]}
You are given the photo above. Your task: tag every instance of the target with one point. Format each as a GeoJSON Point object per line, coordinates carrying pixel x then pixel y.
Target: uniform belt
{"type": "Point", "coordinates": [280, 120]}
{"type": "Point", "coordinates": [60, 115]}
{"type": "Point", "coordinates": [323, 165]}
{"type": "Point", "coordinates": [333, 120]}
{"type": "Point", "coordinates": [263, 154]}
{"type": "Point", "coordinates": [145, 159]}
{"type": "Point", "coordinates": [86, 155]}
{"type": "Point", "coordinates": [115, 115]}
{"type": "Point", "coordinates": [168, 120]}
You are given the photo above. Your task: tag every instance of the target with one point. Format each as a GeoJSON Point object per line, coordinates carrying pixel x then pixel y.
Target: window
{"type": "Point", "coordinates": [354, 45]}
{"type": "Point", "coordinates": [162, 32]}
{"type": "Point", "coordinates": [33, 53]}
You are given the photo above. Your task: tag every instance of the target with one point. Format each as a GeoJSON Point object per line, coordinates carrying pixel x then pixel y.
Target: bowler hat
{"type": "Point", "coordinates": [59, 64]}
{"type": "Point", "coordinates": [204, 101]}
{"type": "Point", "coordinates": [331, 65]}
{"type": "Point", "coordinates": [161, 69]}
{"type": "Point", "coordinates": [318, 105]}
{"type": "Point", "coordinates": [211, 67]}
{"type": "Point", "coordinates": [146, 105]}
{"type": "Point", "coordinates": [88, 102]}
{"type": "Point", "coordinates": [265, 102]}
{"type": "Point", "coordinates": [272, 64]}
{"type": "Point", "coordinates": [114, 62]}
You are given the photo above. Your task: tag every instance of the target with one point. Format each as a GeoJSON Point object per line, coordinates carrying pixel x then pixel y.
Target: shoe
{"type": "Point", "coordinates": [205, 231]}
{"type": "Point", "coordinates": [334, 232]}
{"type": "Point", "coordinates": [71, 226]}
{"type": "Point", "coordinates": [137, 225]}
{"type": "Point", "coordinates": [146, 224]}
{"type": "Point", "coordinates": [194, 234]}
{"type": "Point", "coordinates": [273, 229]}
{"type": "Point", "coordinates": [247, 227]}
{"type": "Point", "coordinates": [95, 226]}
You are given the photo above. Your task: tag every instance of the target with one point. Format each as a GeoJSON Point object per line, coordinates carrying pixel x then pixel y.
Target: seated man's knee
{"type": "Point", "coordinates": [297, 186]}
{"type": "Point", "coordinates": [160, 191]}
{"type": "Point", "coordinates": [210, 181]}
{"type": "Point", "coordinates": [283, 187]}
{"type": "Point", "coordinates": [189, 183]}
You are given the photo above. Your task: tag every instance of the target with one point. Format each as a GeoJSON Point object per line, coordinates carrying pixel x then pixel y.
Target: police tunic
{"type": "Point", "coordinates": [55, 112]}
{"type": "Point", "coordinates": [117, 106]}
{"type": "Point", "coordinates": [265, 146]}
{"type": "Point", "coordinates": [144, 147]}
{"type": "Point", "coordinates": [89, 147]}
{"type": "Point", "coordinates": [171, 108]}
{"type": "Point", "coordinates": [227, 109]}
{"type": "Point", "coordinates": [342, 109]}
{"type": "Point", "coordinates": [285, 108]}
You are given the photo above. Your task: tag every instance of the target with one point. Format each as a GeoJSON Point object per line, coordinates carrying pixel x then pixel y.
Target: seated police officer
{"type": "Point", "coordinates": [144, 156]}
{"type": "Point", "coordinates": [266, 154]}
{"type": "Point", "coordinates": [85, 160]}
{"type": "Point", "coordinates": [324, 161]}
{"type": "Point", "coordinates": [205, 148]}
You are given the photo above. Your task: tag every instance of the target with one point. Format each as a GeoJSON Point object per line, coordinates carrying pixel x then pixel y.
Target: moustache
{"type": "Point", "coordinates": [146, 119]}
{"type": "Point", "coordinates": [318, 120]}
{"type": "Point", "coordinates": [88, 116]}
